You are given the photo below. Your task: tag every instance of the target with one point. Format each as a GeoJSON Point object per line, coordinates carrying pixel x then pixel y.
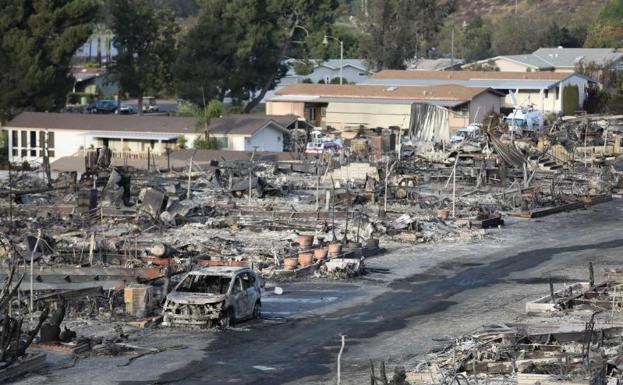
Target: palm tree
{"type": "Point", "coordinates": [204, 115]}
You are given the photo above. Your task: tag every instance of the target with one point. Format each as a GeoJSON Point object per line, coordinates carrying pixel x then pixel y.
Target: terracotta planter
{"type": "Point", "coordinates": [335, 249]}
{"type": "Point", "coordinates": [290, 263]}
{"type": "Point", "coordinates": [305, 241]}
{"type": "Point", "coordinates": [443, 214]}
{"type": "Point", "coordinates": [320, 253]}
{"type": "Point", "coordinates": [306, 259]}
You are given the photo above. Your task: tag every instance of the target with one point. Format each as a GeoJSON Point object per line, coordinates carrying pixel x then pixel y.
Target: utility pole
{"type": "Point", "coordinates": [32, 273]}
{"type": "Point", "coordinates": [250, 175]}
{"type": "Point", "coordinates": [190, 169]}
{"type": "Point", "coordinates": [10, 198]}
{"type": "Point", "coordinates": [454, 186]}
{"type": "Point", "coordinates": [452, 49]}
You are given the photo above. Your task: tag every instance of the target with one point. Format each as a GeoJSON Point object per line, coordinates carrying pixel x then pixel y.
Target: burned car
{"type": "Point", "coordinates": [214, 296]}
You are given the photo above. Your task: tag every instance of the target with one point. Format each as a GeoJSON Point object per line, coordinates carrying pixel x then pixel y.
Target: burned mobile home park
{"type": "Point", "coordinates": [421, 192]}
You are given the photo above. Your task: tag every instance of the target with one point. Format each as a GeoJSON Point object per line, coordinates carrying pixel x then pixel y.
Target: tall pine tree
{"type": "Point", "coordinates": [396, 29]}
{"type": "Point", "coordinates": [145, 33]}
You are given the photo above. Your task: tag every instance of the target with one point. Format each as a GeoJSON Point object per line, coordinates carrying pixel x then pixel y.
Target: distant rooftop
{"type": "Point", "coordinates": [440, 64]}
{"type": "Point", "coordinates": [547, 59]}
{"type": "Point", "coordinates": [249, 124]}
{"type": "Point", "coordinates": [443, 92]}
{"type": "Point", "coordinates": [95, 122]}
{"type": "Point", "coordinates": [468, 75]}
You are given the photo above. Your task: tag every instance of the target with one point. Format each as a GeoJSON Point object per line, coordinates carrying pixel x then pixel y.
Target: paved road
{"type": "Point", "coordinates": [302, 349]}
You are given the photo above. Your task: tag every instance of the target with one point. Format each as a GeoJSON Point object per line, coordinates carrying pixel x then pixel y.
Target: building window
{"type": "Point", "coordinates": [546, 93]}
{"type": "Point", "coordinates": [50, 140]}
{"type": "Point", "coordinates": [310, 114]}
{"type": "Point", "coordinates": [24, 137]}
{"type": "Point", "coordinates": [14, 138]}
{"type": "Point", "coordinates": [222, 142]}
{"type": "Point", "coordinates": [33, 143]}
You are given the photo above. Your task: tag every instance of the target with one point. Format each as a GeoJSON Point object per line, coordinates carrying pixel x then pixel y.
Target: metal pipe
{"type": "Point", "coordinates": [339, 361]}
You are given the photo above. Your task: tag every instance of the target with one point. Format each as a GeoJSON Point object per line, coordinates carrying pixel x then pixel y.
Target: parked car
{"type": "Point", "coordinates": [126, 109]}
{"type": "Point", "coordinates": [103, 107]}
{"type": "Point", "coordinates": [214, 296]}
{"type": "Point", "coordinates": [150, 104]}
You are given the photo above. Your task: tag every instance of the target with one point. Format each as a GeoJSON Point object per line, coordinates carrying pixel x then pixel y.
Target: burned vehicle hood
{"type": "Point", "coordinates": [195, 298]}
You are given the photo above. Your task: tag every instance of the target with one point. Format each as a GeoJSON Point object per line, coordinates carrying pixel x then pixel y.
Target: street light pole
{"type": "Point", "coordinates": [326, 42]}
{"type": "Point", "coordinates": [341, 61]}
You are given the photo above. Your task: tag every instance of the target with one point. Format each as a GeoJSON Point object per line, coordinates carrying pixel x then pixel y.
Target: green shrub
{"type": "Point", "coordinates": [207, 144]}
{"type": "Point", "coordinates": [596, 100]}
{"type": "Point", "coordinates": [182, 142]}
{"type": "Point", "coordinates": [570, 100]}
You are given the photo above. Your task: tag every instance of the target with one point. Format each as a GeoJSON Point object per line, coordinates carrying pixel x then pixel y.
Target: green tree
{"type": "Point", "coordinates": [556, 35]}
{"type": "Point", "coordinates": [237, 47]}
{"type": "Point", "coordinates": [203, 115]}
{"type": "Point", "coordinates": [37, 41]}
{"type": "Point", "coordinates": [472, 42]}
{"type": "Point", "coordinates": [396, 29]}
{"type": "Point", "coordinates": [510, 35]}
{"type": "Point", "coordinates": [145, 39]}
{"type": "Point", "coordinates": [303, 67]}
{"type": "Point", "coordinates": [606, 31]}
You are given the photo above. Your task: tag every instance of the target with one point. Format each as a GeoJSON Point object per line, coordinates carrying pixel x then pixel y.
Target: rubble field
{"type": "Point", "coordinates": [89, 260]}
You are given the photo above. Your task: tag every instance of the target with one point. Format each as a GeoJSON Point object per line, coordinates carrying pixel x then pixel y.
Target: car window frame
{"type": "Point", "coordinates": [236, 280]}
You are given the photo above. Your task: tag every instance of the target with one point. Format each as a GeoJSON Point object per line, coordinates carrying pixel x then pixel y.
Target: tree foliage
{"type": "Point", "coordinates": [471, 42]}
{"type": "Point", "coordinates": [396, 28]}
{"type": "Point", "coordinates": [37, 42]}
{"type": "Point", "coordinates": [145, 39]}
{"type": "Point", "coordinates": [606, 31]}
{"type": "Point", "coordinates": [570, 100]}
{"type": "Point", "coordinates": [237, 47]}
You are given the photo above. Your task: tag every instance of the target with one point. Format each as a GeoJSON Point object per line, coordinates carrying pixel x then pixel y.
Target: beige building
{"type": "Point", "coordinates": [552, 59]}
{"type": "Point", "coordinates": [350, 107]}
{"type": "Point", "coordinates": [31, 134]}
{"type": "Point", "coordinates": [543, 90]}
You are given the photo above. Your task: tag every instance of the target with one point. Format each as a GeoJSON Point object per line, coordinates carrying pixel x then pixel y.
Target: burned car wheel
{"type": "Point", "coordinates": [257, 310]}
{"type": "Point", "coordinates": [227, 319]}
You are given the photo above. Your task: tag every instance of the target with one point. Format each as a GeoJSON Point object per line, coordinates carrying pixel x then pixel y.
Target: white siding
{"type": "Point", "coordinates": [266, 139]}
{"type": "Point", "coordinates": [70, 142]}
{"type": "Point", "coordinates": [66, 142]}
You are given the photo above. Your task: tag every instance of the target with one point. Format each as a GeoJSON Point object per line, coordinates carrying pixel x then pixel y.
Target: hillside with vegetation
{"type": "Point", "coordinates": [468, 10]}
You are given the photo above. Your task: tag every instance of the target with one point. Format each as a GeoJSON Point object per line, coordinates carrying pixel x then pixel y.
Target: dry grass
{"type": "Point", "coordinates": [489, 9]}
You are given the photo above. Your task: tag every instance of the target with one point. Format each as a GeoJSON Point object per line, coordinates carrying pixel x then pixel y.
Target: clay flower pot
{"type": "Point", "coordinates": [306, 259]}
{"type": "Point", "coordinates": [320, 253]}
{"type": "Point", "coordinates": [290, 263]}
{"type": "Point", "coordinates": [335, 249]}
{"type": "Point", "coordinates": [305, 241]}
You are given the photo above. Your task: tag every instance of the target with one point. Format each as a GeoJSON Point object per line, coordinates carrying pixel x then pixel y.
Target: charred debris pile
{"type": "Point", "coordinates": [111, 242]}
